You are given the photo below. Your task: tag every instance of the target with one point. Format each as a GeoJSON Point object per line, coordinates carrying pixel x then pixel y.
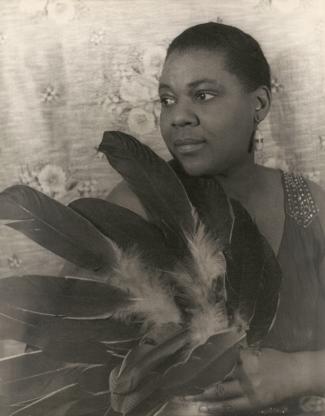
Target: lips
{"type": "Point", "coordinates": [188, 145]}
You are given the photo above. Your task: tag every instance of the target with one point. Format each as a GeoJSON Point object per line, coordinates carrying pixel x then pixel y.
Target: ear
{"type": "Point", "coordinates": [261, 103]}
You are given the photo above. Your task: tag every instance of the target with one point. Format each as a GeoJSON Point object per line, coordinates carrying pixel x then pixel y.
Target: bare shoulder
{"type": "Point", "coordinates": [319, 197]}
{"type": "Point", "coordinates": [123, 195]}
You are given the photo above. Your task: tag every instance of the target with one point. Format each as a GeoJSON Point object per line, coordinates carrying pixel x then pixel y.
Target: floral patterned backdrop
{"type": "Point", "coordinates": [71, 69]}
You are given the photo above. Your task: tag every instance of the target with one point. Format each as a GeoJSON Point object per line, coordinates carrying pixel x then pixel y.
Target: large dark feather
{"type": "Point", "coordinates": [26, 365]}
{"type": "Point", "coordinates": [92, 379]}
{"type": "Point", "coordinates": [15, 324]}
{"type": "Point", "coordinates": [56, 227]}
{"type": "Point", "coordinates": [268, 297]}
{"type": "Point", "coordinates": [127, 229]}
{"type": "Point", "coordinates": [54, 404]}
{"type": "Point", "coordinates": [40, 330]}
{"type": "Point", "coordinates": [155, 184]}
{"type": "Point", "coordinates": [135, 364]}
{"type": "Point", "coordinates": [39, 385]}
{"type": "Point", "coordinates": [207, 364]}
{"type": "Point", "coordinates": [245, 273]}
{"type": "Point", "coordinates": [95, 405]}
{"type": "Point", "coordinates": [247, 267]}
{"type": "Point", "coordinates": [211, 202]}
{"type": "Point", "coordinates": [62, 296]}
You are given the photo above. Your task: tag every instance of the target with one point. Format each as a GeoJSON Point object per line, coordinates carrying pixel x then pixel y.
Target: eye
{"type": "Point", "coordinates": [167, 101]}
{"type": "Point", "coordinates": [204, 95]}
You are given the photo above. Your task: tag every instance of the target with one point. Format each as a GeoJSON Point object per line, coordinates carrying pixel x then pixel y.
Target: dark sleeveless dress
{"type": "Point", "coordinates": [300, 321]}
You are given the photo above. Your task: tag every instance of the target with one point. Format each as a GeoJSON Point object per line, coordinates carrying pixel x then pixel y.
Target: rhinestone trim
{"type": "Point", "coordinates": [300, 202]}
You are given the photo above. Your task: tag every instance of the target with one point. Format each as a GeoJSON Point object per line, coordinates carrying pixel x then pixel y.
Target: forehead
{"type": "Point", "coordinates": [187, 67]}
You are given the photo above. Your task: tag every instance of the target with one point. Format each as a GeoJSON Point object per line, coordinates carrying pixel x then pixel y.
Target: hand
{"type": "Point", "coordinates": [262, 378]}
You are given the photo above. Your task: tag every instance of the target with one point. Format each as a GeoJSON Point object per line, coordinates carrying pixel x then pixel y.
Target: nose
{"type": "Point", "coordinates": [184, 115]}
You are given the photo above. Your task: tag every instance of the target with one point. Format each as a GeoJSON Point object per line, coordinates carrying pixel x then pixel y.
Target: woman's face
{"type": "Point", "coordinates": [207, 116]}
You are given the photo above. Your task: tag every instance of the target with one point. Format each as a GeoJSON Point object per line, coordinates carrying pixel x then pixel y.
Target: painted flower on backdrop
{"type": "Point", "coordinates": [14, 262]}
{"type": "Point", "coordinates": [152, 60]}
{"type": "Point", "coordinates": [137, 89]}
{"type": "Point", "coordinates": [314, 175]}
{"type": "Point", "coordinates": [141, 121]}
{"type": "Point", "coordinates": [29, 176]}
{"type": "Point", "coordinates": [49, 94]}
{"type": "Point", "coordinates": [276, 86]}
{"type": "Point", "coordinates": [87, 188]}
{"type": "Point", "coordinates": [52, 180]}
{"type": "Point", "coordinates": [61, 11]}
{"type": "Point", "coordinates": [97, 37]}
{"type": "Point", "coordinates": [112, 104]}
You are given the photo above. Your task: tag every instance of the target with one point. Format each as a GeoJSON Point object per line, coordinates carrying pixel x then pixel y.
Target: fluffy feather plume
{"type": "Point", "coordinates": [203, 290]}
{"type": "Point", "coordinates": [153, 299]}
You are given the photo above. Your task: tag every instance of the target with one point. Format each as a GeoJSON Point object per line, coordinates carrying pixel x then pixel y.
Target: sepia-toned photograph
{"type": "Point", "coordinates": [162, 207]}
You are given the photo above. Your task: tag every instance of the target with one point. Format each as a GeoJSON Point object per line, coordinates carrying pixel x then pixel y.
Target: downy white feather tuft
{"type": "Point", "coordinates": [153, 300]}
{"type": "Point", "coordinates": [203, 287]}
{"type": "Point", "coordinates": [210, 262]}
{"type": "Point", "coordinates": [208, 269]}
{"type": "Point", "coordinates": [210, 321]}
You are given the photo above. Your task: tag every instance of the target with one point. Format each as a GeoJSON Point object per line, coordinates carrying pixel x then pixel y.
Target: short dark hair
{"type": "Point", "coordinates": [244, 56]}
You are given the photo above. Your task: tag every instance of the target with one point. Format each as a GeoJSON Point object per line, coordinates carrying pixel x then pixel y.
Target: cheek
{"type": "Point", "coordinates": [164, 128]}
{"type": "Point", "coordinates": [231, 127]}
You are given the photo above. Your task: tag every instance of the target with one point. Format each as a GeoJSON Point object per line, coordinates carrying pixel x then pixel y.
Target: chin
{"type": "Point", "coordinates": [195, 168]}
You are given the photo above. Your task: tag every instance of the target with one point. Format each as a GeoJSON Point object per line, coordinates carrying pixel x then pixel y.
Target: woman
{"type": "Point", "coordinates": [215, 90]}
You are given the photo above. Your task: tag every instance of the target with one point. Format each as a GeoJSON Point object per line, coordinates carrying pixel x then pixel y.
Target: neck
{"type": "Point", "coordinates": [240, 181]}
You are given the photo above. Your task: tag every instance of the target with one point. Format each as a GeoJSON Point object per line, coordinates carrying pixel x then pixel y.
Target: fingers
{"type": "Point", "coordinates": [239, 404]}
{"type": "Point", "coordinates": [219, 391]}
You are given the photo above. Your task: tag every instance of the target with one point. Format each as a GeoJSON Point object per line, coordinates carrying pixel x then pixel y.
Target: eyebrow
{"type": "Point", "coordinates": [194, 83]}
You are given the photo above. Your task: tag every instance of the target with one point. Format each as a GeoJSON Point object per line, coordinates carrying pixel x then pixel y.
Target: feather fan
{"type": "Point", "coordinates": [173, 296]}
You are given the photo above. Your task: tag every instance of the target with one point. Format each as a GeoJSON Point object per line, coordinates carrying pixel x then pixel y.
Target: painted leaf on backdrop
{"type": "Point", "coordinates": [55, 227]}
{"type": "Point", "coordinates": [156, 185]}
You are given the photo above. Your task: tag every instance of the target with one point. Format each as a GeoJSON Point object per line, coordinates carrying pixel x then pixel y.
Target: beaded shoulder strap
{"type": "Point", "coordinates": [300, 204]}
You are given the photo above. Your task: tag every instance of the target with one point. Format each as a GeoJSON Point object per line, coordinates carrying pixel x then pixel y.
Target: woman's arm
{"type": "Point", "coordinates": [264, 378]}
